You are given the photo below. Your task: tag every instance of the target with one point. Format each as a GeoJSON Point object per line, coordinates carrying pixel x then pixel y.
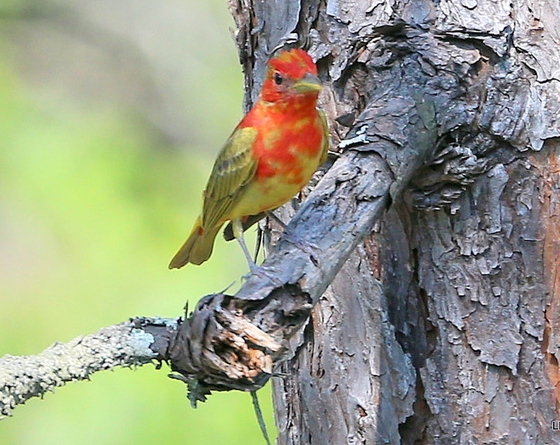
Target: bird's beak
{"type": "Point", "coordinates": [308, 84]}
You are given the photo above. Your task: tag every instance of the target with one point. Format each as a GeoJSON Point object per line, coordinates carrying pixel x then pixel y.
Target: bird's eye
{"type": "Point", "coordinates": [278, 79]}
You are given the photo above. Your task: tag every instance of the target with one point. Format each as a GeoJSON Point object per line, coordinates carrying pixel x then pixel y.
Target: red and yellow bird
{"type": "Point", "coordinates": [270, 156]}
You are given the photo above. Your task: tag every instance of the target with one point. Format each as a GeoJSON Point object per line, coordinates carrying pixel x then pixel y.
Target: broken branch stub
{"type": "Point", "coordinates": [231, 343]}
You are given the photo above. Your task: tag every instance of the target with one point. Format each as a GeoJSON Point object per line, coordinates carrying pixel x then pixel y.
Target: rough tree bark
{"type": "Point", "coordinates": [443, 326]}
{"type": "Point", "coordinates": [439, 221]}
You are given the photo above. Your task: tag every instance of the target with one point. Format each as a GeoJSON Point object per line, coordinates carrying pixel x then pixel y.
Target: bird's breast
{"type": "Point", "coordinates": [291, 151]}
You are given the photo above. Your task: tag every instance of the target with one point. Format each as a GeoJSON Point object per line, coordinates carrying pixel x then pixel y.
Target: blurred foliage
{"type": "Point", "coordinates": [109, 123]}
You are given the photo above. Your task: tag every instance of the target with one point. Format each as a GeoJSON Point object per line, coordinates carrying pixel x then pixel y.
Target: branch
{"type": "Point", "coordinates": [129, 344]}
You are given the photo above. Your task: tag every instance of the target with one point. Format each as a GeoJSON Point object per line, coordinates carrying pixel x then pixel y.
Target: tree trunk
{"type": "Point", "coordinates": [443, 326]}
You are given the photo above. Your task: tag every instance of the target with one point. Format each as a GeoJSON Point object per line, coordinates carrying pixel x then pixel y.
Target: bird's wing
{"type": "Point", "coordinates": [234, 168]}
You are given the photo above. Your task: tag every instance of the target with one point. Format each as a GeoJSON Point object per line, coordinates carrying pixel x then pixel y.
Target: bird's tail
{"type": "Point", "coordinates": [197, 248]}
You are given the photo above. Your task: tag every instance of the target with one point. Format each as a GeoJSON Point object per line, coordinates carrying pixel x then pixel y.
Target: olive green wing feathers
{"type": "Point", "coordinates": [234, 168]}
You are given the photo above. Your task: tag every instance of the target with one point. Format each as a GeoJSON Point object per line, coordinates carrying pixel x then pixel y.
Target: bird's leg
{"type": "Point", "coordinates": [238, 234]}
{"type": "Point", "coordinates": [257, 270]}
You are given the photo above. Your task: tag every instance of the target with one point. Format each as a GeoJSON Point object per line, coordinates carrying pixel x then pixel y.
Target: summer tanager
{"type": "Point", "coordinates": [268, 158]}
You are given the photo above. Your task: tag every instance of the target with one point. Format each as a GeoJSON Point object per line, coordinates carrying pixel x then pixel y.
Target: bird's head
{"type": "Point", "coordinates": [291, 74]}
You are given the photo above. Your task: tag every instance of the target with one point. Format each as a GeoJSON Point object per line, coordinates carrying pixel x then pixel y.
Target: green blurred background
{"type": "Point", "coordinates": [111, 114]}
